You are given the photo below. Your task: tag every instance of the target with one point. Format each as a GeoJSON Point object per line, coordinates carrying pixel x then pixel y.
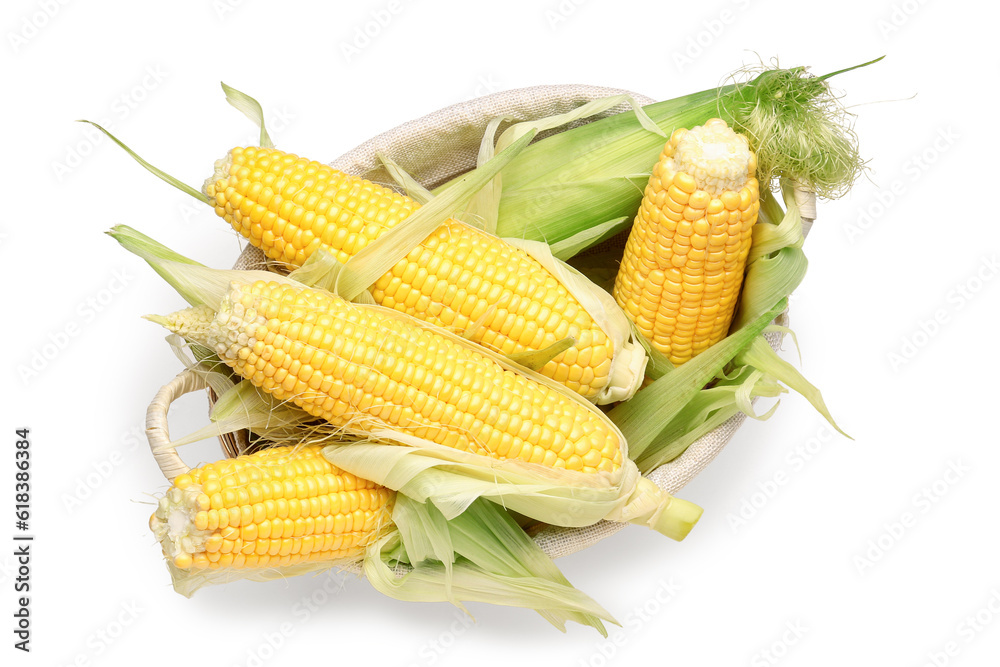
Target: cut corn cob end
{"type": "Point", "coordinates": [654, 508]}
{"type": "Point", "coordinates": [279, 507]}
{"type": "Point", "coordinates": [683, 264]}
{"type": "Point", "coordinates": [677, 518]}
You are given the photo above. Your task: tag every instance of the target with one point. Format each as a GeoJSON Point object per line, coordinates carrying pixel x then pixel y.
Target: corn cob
{"type": "Point", "coordinates": [459, 277]}
{"type": "Point", "coordinates": [287, 511]}
{"type": "Point", "coordinates": [683, 264]}
{"type": "Point", "coordinates": [368, 369]}
{"type": "Point", "coordinates": [275, 508]}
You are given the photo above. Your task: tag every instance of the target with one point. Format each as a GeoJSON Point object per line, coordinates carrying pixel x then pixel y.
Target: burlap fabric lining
{"type": "Point", "coordinates": [444, 144]}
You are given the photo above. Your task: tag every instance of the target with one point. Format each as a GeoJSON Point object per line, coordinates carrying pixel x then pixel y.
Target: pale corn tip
{"type": "Point", "coordinates": [718, 158]}
{"type": "Point", "coordinates": [220, 172]}
{"type": "Point", "coordinates": [193, 323]}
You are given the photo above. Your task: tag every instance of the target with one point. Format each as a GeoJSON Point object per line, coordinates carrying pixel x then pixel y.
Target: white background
{"type": "Point", "coordinates": [869, 552]}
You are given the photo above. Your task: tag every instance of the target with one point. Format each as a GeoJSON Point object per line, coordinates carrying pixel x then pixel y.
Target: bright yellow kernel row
{"type": "Point", "coordinates": [241, 561]}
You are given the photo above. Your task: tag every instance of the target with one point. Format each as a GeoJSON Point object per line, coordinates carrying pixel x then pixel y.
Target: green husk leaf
{"type": "Point", "coordinates": [776, 264]}
{"type": "Point", "coordinates": [196, 283]}
{"type": "Point", "coordinates": [705, 412]}
{"type": "Point", "coordinates": [768, 280]}
{"type": "Point", "coordinates": [424, 531]}
{"type": "Point", "coordinates": [239, 405]}
{"type": "Point", "coordinates": [482, 208]}
{"type": "Point", "coordinates": [426, 537]}
{"type": "Point", "coordinates": [250, 108]}
{"type": "Point", "coordinates": [592, 108]}
{"type": "Point", "coordinates": [770, 211]}
{"type": "Point", "coordinates": [552, 213]}
{"type": "Point", "coordinates": [486, 204]}
{"type": "Point", "coordinates": [252, 409]}
{"type": "Point", "coordinates": [490, 538]}
{"type": "Point", "coordinates": [786, 331]}
{"type": "Point", "coordinates": [642, 418]}
{"type": "Point", "coordinates": [768, 238]}
{"type": "Point", "coordinates": [697, 428]}
{"type": "Point", "coordinates": [139, 244]}
{"type": "Point", "coordinates": [162, 175]}
{"type": "Point", "coordinates": [375, 259]}
{"type": "Point", "coordinates": [452, 480]}
{"type": "Point", "coordinates": [745, 393]}
{"type": "Point", "coordinates": [659, 364]}
{"type": "Point", "coordinates": [320, 270]}
{"type": "Point", "coordinates": [200, 285]}
{"type": "Point", "coordinates": [473, 584]}
{"type": "Point", "coordinates": [589, 237]}
{"type": "Point", "coordinates": [413, 189]}
{"type": "Point", "coordinates": [534, 359]}
{"type": "Point", "coordinates": [482, 543]}
{"type": "Point", "coordinates": [760, 355]}
{"type": "Point", "coordinates": [576, 179]}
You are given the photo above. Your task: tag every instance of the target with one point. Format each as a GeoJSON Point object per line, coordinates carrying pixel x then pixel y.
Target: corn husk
{"type": "Point", "coordinates": [371, 262]}
{"type": "Point", "coordinates": [482, 555]}
{"type": "Point", "coordinates": [652, 409]}
{"type": "Point", "coordinates": [776, 264]}
{"type": "Point", "coordinates": [484, 206]}
{"type": "Point", "coordinates": [572, 181]}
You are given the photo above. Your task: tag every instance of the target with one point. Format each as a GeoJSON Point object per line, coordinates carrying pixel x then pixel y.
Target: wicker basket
{"type": "Point", "coordinates": [434, 149]}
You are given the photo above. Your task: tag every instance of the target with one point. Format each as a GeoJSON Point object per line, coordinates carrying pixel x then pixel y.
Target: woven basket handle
{"type": "Point", "coordinates": [157, 432]}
